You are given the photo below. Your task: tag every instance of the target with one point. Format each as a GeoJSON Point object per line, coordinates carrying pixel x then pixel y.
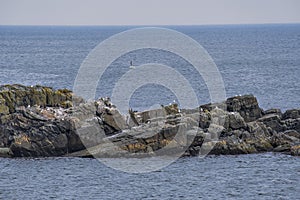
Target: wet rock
{"type": "Point", "coordinates": [295, 150]}
{"type": "Point", "coordinates": [5, 153]}
{"type": "Point", "coordinates": [232, 147]}
{"type": "Point", "coordinates": [283, 148]}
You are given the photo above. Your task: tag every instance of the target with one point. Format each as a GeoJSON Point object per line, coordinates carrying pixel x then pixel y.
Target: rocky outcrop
{"type": "Point", "coordinates": [246, 105]}
{"type": "Point", "coordinates": [14, 96]}
{"type": "Point", "coordinates": [39, 121]}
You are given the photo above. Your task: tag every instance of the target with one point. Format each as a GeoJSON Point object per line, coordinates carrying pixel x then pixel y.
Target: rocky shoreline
{"type": "Point", "coordinates": [38, 121]}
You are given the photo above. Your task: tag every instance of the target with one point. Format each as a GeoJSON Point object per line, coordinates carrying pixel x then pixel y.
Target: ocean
{"type": "Point", "coordinates": [262, 176]}
{"type": "Point", "coordinates": [263, 60]}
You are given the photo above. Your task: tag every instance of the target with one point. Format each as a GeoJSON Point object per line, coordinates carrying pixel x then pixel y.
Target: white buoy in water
{"type": "Point", "coordinates": [131, 65]}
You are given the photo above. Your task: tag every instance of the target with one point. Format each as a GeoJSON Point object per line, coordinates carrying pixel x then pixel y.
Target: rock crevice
{"type": "Point", "coordinates": [39, 121]}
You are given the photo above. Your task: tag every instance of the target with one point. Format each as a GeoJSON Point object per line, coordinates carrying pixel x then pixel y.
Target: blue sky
{"type": "Point", "coordinates": [147, 12]}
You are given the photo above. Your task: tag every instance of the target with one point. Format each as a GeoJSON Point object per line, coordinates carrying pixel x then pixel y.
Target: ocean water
{"type": "Point", "coordinates": [263, 60]}
{"type": "Point", "coordinates": [262, 176]}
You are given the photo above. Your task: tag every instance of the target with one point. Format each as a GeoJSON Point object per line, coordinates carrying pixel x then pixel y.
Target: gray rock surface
{"type": "Point", "coordinates": [38, 121]}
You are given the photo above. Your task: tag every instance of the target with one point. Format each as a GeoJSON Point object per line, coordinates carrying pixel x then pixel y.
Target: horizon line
{"type": "Point", "coordinates": [152, 25]}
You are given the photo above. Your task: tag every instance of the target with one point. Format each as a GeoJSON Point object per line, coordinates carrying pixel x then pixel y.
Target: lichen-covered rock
{"type": "Point", "coordinates": [39, 121]}
{"type": "Point", "coordinates": [295, 150]}
{"type": "Point", "coordinates": [13, 96]}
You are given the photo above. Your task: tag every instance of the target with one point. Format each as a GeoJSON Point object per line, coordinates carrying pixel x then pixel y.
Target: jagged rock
{"type": "Point", "coordinates": [39, 121]}
{"type": "Point", "coordinates": [291, 114]}
{"type": "Point", "coordinates": [283, 148]}
{"type": "Point", "coordinates": [273, 111]}
{"type": "Point", "coordinates": [236, 121]}
{"type": "Point", "coordinates": [273, 121]}
{"type": "Point", "coordinates": [13, 96]}
{"type": "Point", "coordinates": [292, 124]}
{"type": "Point", "coordinates": [5, 153]}
{"type": "Point", "coordinates": [204, 120]}
{"type": "Point", "coordinates": [246, 105]}
{"type": "Point", "coordinates": [91, 133]}
{"type": "Point", "coordinates": [292, 133]}
{"type": "Point", "coordinates": [295, 150]}
{"type": "Point", "coordinates": [110, 116]}
{"type": "Point", "coordinates": [232, 147]}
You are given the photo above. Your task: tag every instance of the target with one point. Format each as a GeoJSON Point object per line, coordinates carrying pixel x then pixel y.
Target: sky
{"type": "Point", "coordinates": [148, 12]}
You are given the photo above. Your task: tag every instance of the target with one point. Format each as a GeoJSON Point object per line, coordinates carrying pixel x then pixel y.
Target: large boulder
{"type": "Point", "coordinates": [246, 105]}
{"type": "Point", "coordinates": [35, 132]}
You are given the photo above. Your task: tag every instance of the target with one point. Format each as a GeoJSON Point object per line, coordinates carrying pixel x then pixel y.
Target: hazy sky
{"type": "Point", "coordinates": [147, 12]}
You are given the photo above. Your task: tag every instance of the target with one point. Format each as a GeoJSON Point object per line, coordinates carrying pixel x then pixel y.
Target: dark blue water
{"type": "Point", "coordinates": [263, 60]}
{"type": "Point", "coordinates": [260, 59]}
{"type": "Point", "coordinates": [262, 176]}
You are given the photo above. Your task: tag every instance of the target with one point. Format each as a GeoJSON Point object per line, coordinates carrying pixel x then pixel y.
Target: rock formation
{"type": "Point", "coordinates": [39, 121]}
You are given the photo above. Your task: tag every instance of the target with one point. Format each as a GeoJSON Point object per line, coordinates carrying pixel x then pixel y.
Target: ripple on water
{"type": "Point", "coordinates": [263, 176]}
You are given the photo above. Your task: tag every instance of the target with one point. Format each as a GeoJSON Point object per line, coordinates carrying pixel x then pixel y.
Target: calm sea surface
{"type": "Point", "coordinates": [262, 176]}
{"type": "Point", "coordinates": [260, 59]}
{"type": "Point", "coordinates": [263, 60]}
